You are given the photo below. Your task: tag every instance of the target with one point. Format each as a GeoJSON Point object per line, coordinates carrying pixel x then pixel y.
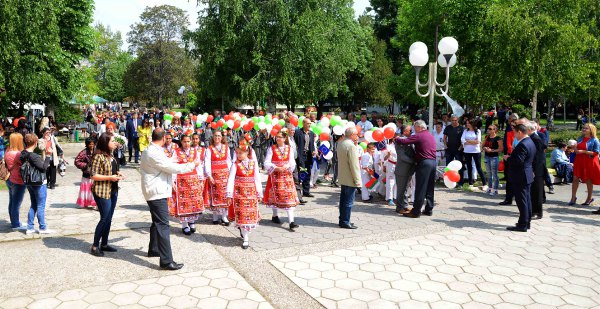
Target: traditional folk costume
{"type": "Point", "coordinates": [389, 167]}
{"type": "Point", "coordinates": [378, 161]}
{"type": "Point", "coordinates": [187, 201]}
{"type": "Point", "coordinates": [219, 162]}
{"type": "Point", "coordinates": [170, 151]}
{"type": "Point", "coordinates": [245, 190]}
{"type": "Point", "coordinates": [367, 176]}
{"type": "Point", "coordinates": [83, 162]}
{"type": "Point", "coordinates": [280, 192]}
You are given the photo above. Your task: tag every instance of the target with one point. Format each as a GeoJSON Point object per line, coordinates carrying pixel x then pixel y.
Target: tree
{"type": "Point", "coordinates": [39, 56]}
{"type": "Point", "coordinates": [162, 64]}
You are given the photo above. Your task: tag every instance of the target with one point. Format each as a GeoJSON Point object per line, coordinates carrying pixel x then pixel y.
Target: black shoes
{"type": "Point", "coordinates": [192, 229]}
{"type": "Point", "coordinates": [276, 220]}
{"type": "Point", "coordinates": [186, 231]}
{"type": "Point", "coordinates": [427, 213]}
{"type": "Point", "coordinates": [293, 226]}
{"type": "Point", "coordinates": [302, 202]}
{"type": "Point", "coordinates": [97, 252]}
{"type": "Point", "coordinates": [308, 195]}
{"type": "Point", "coordinates": [108, 248]}
{"type": "Point", "coordinates": [153, 254]}
{"type": "Point", "coordinates": [171, 266]}
{"type": "Point", "coordinates": [217, 222]}
{"type": "Point", "coordinates": [505, 202]}
{"type": "Point", "coordinates": [410, 215]}
{"type": "Point", "coordinates": [536, 216]}
{"type": "Point", "coordinates": [596, 212]}
{"type": "Point", "coordinates": [517, 229]}
{"type": "Point", "coordinates": [350, 226]}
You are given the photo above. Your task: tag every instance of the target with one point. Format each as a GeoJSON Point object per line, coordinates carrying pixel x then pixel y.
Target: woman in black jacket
{"type": "Point", "coordinates": [37, 193]}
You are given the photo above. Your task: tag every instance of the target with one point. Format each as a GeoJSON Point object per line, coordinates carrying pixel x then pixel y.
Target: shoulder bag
{"type": "Point", "coordinates": [31, 175]}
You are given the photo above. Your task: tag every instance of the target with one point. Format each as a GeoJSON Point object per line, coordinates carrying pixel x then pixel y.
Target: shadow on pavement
{"type": "Point", "coordinates": [69, 205]}
{"type": "Point", "coordinates": [471, 223]}
{"type": "Point", "coordinates": [593, 221]}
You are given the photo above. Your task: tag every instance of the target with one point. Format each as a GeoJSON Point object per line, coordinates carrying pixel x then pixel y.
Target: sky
{"type": "Point", "coordinates": [121, 14]}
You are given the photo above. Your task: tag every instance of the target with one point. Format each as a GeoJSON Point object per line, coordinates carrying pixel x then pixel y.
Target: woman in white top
{"type": "Point", "coordinates": [471, 141]}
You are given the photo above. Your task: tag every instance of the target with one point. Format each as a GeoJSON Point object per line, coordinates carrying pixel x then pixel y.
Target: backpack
{"type": "Point", "coordinates": [31, 175]}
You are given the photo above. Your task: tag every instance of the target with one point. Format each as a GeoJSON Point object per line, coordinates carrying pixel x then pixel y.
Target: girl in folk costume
{"type": "Point", "coordinates": [378, 162]}
{"type": "Point", "coordinates": [169, 146]}
{"type": "Point", "coordinates": [389, 167]}
{"type": "Point", "coordinates": [187, 202]}
{"type": "Point", "coordinates": [83, 162]}
{"type": "Point", "coordinates": [244, 190]}
{"type": "Point", "coordinates": [203, 169]}
{"type": "Point", "coordinates": [367, 172]}
{"type": "Point", "coordinates": [219, 162]}
{"type": "Point", "coordinates": [251, 153]}
{"type": "Point", "coordinates": [280, 192]}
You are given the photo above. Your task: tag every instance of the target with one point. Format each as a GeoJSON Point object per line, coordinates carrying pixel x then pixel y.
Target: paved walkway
{"type": "Point", "coordinates": [460, 257]}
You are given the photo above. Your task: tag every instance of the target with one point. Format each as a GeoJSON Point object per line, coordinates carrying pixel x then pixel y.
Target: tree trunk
{"type": "Point", "coordinates": [534, 103]}
{"type": "Point", "coordinates": [550, 124]}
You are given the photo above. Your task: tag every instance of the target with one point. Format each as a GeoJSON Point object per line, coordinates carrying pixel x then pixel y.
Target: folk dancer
{"type": "Point", "coordinates": [280, 192]}
{"type": "Point", "coordinates": [367, 173]}
{"type": "Point", "coordinates": [170, 147]}
{"type": "Point", "coordinates": [243, 192]}
{"type": "Point", "coordinates": [389, 167]}
{"type": "Point", "coordinates": [219, 160]}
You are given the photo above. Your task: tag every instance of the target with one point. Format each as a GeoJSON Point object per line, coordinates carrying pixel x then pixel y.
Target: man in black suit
{"type": "Point", "coordinates": [539, 171]}
{"type": "Point", "coordinates": [132, 136]}
{"type": "Point", "coordinates": [521, 176]}
{"type": "Point", "coordinates": [305, 141]}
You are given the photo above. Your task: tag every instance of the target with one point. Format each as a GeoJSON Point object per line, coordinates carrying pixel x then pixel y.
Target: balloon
{"type": "Point", "coordinates": [210, 118]}
{"type": "Point", "coordinates": [378, 135]}
{"type": "Point", "coordinates": [212, 125]}
{"type": "Point", "coordinates": [282, 122]}
{"type": "Point", "coordinates": [226, 117]}
{"type": "Point", "coordinates": [326, 130]}
{"type": "Point", "coordinates": [301, 120]}
{"type": "Point", "coordinates": [338, 130]}
{"type": "Point", "coordinates": [324, 122]}
{"type": "Point", "coordinates": [262, 125]}
{"type": "Point", "coordinates": [257, 127]}
{"type": "Point", "coordinates": [178, 114]}
{"type": "Point", "coordinates": [358, 129]}
{"type": "Point", "coordinates": [452, 176]}
{"type": "Point", "coordinates": [328, 156]}
{"type": "Point", "coordinates": [363, 145]}
{"type": "Point", "coordinates": [230, 123]}
{"type": "Point", "coordinates": [449, 183]}
{"type": "Point", "coordinates": [167, 123]}
{"type": "Point", "coordinates": [455, 165]}
{"type": "Point", "coordinates": [324, 136]}
{"type": "Point", "coordinates": [236, 124]}
{"type": "Point", "coordinates": [261, 119]}
{"type": "Point", "coordinates": [198, 124]}
{"type": "Point", "coordinates": [268, 119]}
{"type": "Point", "coordinates": [248, 137]}
{"type": "Point", "coordinates": [220, 123]}
{"type": "Point", "coordinates": [446, 169]}
{"type": "Point", "coordinates": [389, 132]}
{"type": "Point", "coordinates": [326, 144]}
{"type": "Point", "coordinates": [251, 123]}
{"type": "Point", "coordinates": [335, 120]}
{"type": "Point", "coordinates": [369, 137]}
{"type": "Point", "coordinates": [277, 127]}
{"type": "Point", "coordinates": [274, 132]}
{"type": "Point", "coordinates": [393, 126]}
{"type": "Point", "coordinates": [255, 119]}
{"type": "Point", "coordinates": [294, 121]}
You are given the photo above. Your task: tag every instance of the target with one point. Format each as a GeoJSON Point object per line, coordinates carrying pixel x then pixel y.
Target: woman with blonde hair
{"type": "Point", "coordinates": [16, 188]}
{"type": "Point", "coordinates": [586, 166]}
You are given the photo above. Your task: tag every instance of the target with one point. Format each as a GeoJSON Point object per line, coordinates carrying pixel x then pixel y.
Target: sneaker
{"type": "Point", "coordinates": [486, 188]}
{"type": "Point", "coordinates": [29, 232]}
{"type": "Point", "coordinates": [492, 193]}
{"type": "Point", "coordinates": [46, 231]}
{"type": "Point", "coordinates": [391, 202]}
{"type": "Point", "coordinates": [20, 228]}
{"type": "Point", "coordinates": [551, 191]}
{"type": "Point", "coordinates": [488, 191]}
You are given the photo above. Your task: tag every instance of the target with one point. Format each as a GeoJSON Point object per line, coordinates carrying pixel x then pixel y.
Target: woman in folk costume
{"type": "Point", "coordinates": [280, 192]}
{"type": "Point", "coordinates": [244, 191]}
{"type": "Point", "coordinates": [187, 203]}
{"type": "Point", "coordinates": [218, 162]}
{"type": "Point", "coordinates": [367, 173]}
{"type": "Point", "coordinates": [169, 146]}
{"type": "Point", "coordinates": [203, 169]}
{"type": "Point", "coordinates": [251, 153]}
{"type": "Point", "coordinates": [389, 167]}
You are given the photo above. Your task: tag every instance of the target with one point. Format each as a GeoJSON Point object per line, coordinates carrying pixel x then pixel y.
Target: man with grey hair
{"type": "Point", "coordinates": [425, 171]}
{"type": "Point", "coordinates": [349, 176]}
{"type": "Point", "coordinates": [539, 169]}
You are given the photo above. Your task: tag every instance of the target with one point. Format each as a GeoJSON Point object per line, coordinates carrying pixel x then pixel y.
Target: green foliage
{"type": "Point", "coordinates": [192, 101]}
{"type": "Point", "coordinates": [64, 113]}
{"type": "Point", "coordinates": [521, 110]}
{"type": "Point", "coordinates": [564, 136]}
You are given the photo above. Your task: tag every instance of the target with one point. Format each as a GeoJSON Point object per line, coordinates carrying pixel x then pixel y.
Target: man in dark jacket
{"type": "Point", "coordinates": [132, 136]}
{"type": "Point", "coordinates": [521, 175]}
{"type": "Point", "coordinates": [305, 141]}
{"type": "Point", "coordinates": [539, 170]}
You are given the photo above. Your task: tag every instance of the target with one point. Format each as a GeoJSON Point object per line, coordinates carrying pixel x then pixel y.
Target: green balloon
{"type": "Point", "coordinates": [300, 120]}
{"type": "Point", "coordinates": [363, 145]}
{"type": "Point", "coordinates": [268, 120]}
{"type": "Point", "coordinates": [225, 126]}
{"type": "Point", "coordinates": [255, 119]}
{"type": "Point", "coordinates": [261, 119]}
{"type": "Point", "coordinates": [446, 169]}
{"type": "Point", "coordinates": [256, 126]}
{"type": "Point", "coordinates": [198, 124]}
{"type": "Point", "coordinates": [373, 129]}
{"type": "Point", "coordinates": [282, 122]}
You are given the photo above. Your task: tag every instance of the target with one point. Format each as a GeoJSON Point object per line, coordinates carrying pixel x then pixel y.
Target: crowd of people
{"type": "Point", "coordinates": [190, 168]}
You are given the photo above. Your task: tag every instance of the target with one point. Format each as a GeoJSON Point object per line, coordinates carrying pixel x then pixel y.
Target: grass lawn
{"type": "Point", "coordinates": [3, 186]}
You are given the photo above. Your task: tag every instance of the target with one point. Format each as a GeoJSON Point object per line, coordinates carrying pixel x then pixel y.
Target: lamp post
{"type": "Point", "coordinates": [418, 58]}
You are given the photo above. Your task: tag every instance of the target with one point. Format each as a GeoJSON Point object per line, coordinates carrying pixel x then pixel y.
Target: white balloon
{"type": "Point", "coordinates": [369, 136]}
{"type": "Point", "coordinates": [328, 156]}
{"type": "Point", "coordinates": [325, 122]}
{"type": "Point", "coordinates": [230, 123]}
{"type": "Point", "coordinates": [326, 130]}
{"type": "Point", "coordinates": [454, 165]}
{"type": "Point", "coordinates": [338, 130]}
{"type": "Point", "coordinates": [178, 114]}
{"type": "Point", "coordinates": [167, 123]}
{"type": "Point", "coordinates": [450, 184]}
{"type": "Point", "coordinates": [262, 125]}
{"type": "Point", "coordinates": [393, 126]}
{"type": "Point", "coordinates": [326, 143]}
{"type": "Point", "coordinates": [344, 122]}
{"type": "Point", "coordinates": [275, 120]}
{"type": "Point", "coordinates": [269, 128]}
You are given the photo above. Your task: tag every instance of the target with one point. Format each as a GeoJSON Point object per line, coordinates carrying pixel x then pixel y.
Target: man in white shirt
{"type": "Point", "coordinates": [365, 125]}
{"type": "Point", "coordinates": [157, 171]}
{"type": "Point", "coordinates": [438, 134]}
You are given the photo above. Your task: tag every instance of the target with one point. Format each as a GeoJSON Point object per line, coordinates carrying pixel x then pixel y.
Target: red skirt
{"type": "Point", "coordinates": [586, 168]}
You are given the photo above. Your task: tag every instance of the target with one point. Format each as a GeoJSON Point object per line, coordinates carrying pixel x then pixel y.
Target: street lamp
{"type": "Point", "coordinates": [418, 58]}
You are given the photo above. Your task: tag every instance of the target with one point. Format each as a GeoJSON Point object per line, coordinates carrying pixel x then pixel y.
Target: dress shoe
{"type": "Point", "coordinates": [427, 213]}
{"type": "Point", "coordinates": [302, 202]}
{"type": "Point", "coordinates": [517, 229]}
{"type": "Point", "coordinates": [571, 203]}
{"type": "Point", "coordinates": [536, 217]}
{"type": "Point", "coordinates": [217, 222]}
{"type": "Point", "coordinates": [403, 210]}
{"type": "Point", "coordinates": [588, 203]}
{"type": "Point", "coordinates": [293, 226]}
{"type": "Point", "coordinates": [226, 223]}
{"type": "Point", "coordinates": [108, 248]}
{"type": "Point", "coordinates": [193, 228]}
{"type": "Point", "coordinates": [505, 202]}
{"type": "Point", "coordinates": [153, 254]}
{"type": "Point", "coordinates": [276, 220]}
{"type": "Point", "coordinates": [410, 215]}
{"type": "Point", "coordinates": [96, 252]}
{"type": "Point", "coordinates": [186, 231]}
{"type": "Point", "coordinates": [596, 212]}
{"type": "Point", "coordinates": [171, 266]}
{"type": "Point", "coordinates": [349, 226]}
{"type": "Point", "coordinates": [308, 195]}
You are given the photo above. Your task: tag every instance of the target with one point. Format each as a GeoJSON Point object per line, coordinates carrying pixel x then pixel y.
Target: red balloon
{"type": "Point", "coordinates": [220, 123]}
{"type": "Point", "coordinates": [236, 124]}
{"type": "Point", "coordinates": [452, 176]}
{"type": "Point", "coordinates": [250, 125]}
{"type": "Point", "coordinates": [226, 117]}
{"type": "Point", "coordinates": [389, 133]}
{"type": "Point", "coordinates": [194, 118]}
{"type": "Point", "coordinates": [213, 125]}
{"type": "Point", "coordinates": [378, 135]}
{"type": "Point", "coordinates": [248, 137]}
{"type": "Point", "coordinates": [274, 132]}
{"type": "Point", "coordinates": [358, 129]}
{"type": "Point", "coordinates": [210, 118]}
{"type": "Point", "coordinates": [277, 127]}
{"type": "Point", "coordinates": [324, 136]}
{"type": "Point", "coordinates": [294, 121]}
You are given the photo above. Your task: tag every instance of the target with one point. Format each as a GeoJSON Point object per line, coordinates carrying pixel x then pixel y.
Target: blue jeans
{"type": "Point", "coordinates": [38, 206]}
{"type": "Point", "coordinates": [106, 207]}
{"type": "Point", "coordinates": [491, 166]}
{"type": "Point", "coordinates": [16, 193]}
{"type": "Point", "coordinates": [346, 203]}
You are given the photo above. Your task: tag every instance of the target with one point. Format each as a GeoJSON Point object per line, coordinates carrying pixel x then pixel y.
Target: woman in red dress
{"type": "Point", "coordinates": [187, 202]}
{"type": "Point", "coordinates": [218, 163]}
{"type": "Point", "coordinates": [280, 192]}
{"type": "Point", "coordinates": [244, 190]}
{"type": "Point", "coordinates": [586, 166]}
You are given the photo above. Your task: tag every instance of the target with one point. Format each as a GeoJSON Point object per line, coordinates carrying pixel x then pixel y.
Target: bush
{"type": "Point", "coordinates": [66, 112]}
{"type": "Point", "coordinates": [563, 136]}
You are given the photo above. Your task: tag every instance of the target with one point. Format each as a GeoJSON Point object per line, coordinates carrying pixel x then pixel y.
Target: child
{"type": "Point", "coordinates": [389, 168]}
{"type": "Point", "coordinates": [367, 173]}
{"type": "Point", "coordinates": [244, 190]}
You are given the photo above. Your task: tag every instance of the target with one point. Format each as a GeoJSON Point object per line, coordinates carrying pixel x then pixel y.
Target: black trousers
{"type": "Point", "coordinates": [537, 195]}
{"type": "Point", "coordinates": [424, 185]}
{"type": "Point", "coordinates": [51, 174]}
{"type": "Point", "coordinates": [160, 233]}
{"type": "Point", "coordinates": [308, 165]}
{"type": "Point", "coordinates": [509, 191]}
{"type": "Point", "coordinates": [132, 145]}
{"type": "Point", "coordinates": [469, 158]}
{"type": "Point", "coordinates": [523, 199]}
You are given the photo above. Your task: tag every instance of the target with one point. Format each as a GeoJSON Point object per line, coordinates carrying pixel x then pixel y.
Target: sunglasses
{"type": "Point", "coordinates": [491, 129]}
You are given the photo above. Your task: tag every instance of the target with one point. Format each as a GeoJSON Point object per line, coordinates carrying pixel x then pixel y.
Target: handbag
{"type": "Point", "coordinates": [31, 175]}
{"type": "Point", "coordinates": [4, 172]}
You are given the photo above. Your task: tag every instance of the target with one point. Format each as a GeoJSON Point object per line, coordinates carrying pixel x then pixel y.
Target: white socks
{"type": "Point", "coordinates": [215, 216]}
{"type": "Point", "coordinates": [275, 212]}
{"type": "Point", "coordinates": [290, 212]}
{"type": "Point", "coordinates": [246, 235]}
{"type": "Point", "coordinates": [224, 218]}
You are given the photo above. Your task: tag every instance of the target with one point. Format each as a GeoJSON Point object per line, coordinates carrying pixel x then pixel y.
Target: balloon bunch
{"type": "Point", "coordinates": [451, 176]}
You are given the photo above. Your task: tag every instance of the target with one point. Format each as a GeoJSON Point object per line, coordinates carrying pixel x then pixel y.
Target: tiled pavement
{"type": "Point", "coordinates": [460, 257]}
